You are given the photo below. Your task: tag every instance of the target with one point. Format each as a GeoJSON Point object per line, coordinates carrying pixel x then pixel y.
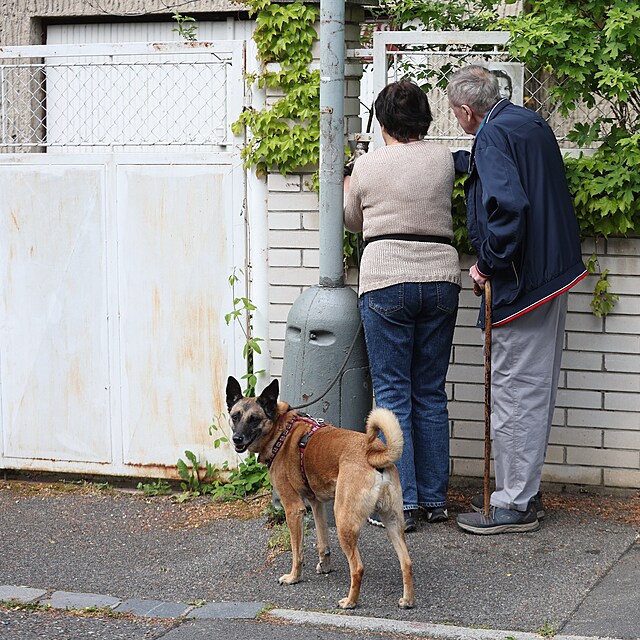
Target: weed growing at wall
{"type": "Point", "coordinates": [186, 28]}
{"type": "Point", "coordinates": [242, 315]}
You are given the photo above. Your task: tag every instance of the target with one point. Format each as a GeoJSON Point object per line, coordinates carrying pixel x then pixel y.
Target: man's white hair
{"type": "Point", "coordinates": [474, 86]}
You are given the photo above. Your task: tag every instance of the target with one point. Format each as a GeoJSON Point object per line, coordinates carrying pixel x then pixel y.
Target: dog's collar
{"type": "Point", "coordinates": [280, 441]}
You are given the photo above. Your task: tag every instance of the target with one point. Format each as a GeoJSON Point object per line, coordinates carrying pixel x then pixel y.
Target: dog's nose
{"type": "Point", "coordinates": [238, 440]}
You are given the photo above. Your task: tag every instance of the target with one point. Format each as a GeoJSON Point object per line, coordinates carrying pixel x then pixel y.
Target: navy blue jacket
{"type": "Point", "coordinates": [520, 217]}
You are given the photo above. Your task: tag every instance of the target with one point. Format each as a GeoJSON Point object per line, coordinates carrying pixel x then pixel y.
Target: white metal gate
{"type": "Point", "coordinates": [114, 350]}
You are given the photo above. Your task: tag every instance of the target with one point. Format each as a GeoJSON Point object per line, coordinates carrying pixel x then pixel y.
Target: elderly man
{"type": "Point", "coordinates": [523, 230]}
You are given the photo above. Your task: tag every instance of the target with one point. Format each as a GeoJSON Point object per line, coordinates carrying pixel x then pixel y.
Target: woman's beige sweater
{"type": "Point", "coordinates": [403, 188]}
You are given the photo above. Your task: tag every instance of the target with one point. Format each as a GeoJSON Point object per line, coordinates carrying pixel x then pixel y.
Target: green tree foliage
{"type": "Point", "coordinates": [444, 15]}
{"type": "Point", "coordinates": [592, 48]}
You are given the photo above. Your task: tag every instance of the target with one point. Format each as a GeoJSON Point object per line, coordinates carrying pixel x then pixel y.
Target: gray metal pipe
{"type": "Point", "coordinates": [332, 48]}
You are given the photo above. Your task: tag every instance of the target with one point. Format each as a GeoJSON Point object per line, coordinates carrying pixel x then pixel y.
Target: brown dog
{"type": "Point", "coordinates": [319, 462]}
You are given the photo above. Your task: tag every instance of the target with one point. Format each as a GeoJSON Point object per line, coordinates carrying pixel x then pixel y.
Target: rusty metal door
{"type": "Point", "coordinates": [114, 350]}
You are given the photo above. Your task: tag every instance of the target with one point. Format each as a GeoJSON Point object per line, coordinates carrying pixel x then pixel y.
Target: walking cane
{"type": "Point", "coordinates": [487, 388]}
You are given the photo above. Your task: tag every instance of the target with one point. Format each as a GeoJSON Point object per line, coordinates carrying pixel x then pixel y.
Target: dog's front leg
{"type": "Point", "coordinates": [322, 534]}
{"type": "Point", "coordinates": [295, 522]}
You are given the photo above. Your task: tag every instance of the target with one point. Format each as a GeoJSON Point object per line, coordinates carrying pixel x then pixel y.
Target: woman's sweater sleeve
{"type": "Point", "coordinates": [353, 205]}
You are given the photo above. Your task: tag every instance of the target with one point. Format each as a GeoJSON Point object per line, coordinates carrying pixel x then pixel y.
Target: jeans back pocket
{"type": "Point", "coordinates": [448, 294]}
{"type": "Point", "coordinates": [386, 301]}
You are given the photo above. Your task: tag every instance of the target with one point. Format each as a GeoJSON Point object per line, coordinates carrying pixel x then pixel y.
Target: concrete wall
{"type": "Point", "coordinates": [23, 20]}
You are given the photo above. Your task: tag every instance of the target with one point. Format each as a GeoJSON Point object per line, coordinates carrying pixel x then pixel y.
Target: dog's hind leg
{"type": "Point", "coordinates": [390, 510]}
{"type": "Point", "coordinates": [350, 518]}
{"type": "Point", "coordinates": [322, 533]}
{"type": "Point", "coordinates": [294, 510]}
{"type": "Point", "coordinates": [396, 535]}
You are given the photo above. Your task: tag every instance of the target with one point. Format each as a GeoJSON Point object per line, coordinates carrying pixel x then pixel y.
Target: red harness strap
{"type": "Point", "coordinates": [280, 441]}
{"type": "Point", "coordinates": [316, 426]}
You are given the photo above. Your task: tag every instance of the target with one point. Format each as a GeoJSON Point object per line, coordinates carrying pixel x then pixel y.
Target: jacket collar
{"type": "Point", "coordinates": [491, 114]}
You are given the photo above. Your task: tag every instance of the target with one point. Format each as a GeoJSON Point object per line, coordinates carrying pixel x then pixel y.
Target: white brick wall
{"type": "Point", "coordinates": [595, 439]}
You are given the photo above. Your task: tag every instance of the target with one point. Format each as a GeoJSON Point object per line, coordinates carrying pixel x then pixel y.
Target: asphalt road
{"type": "Point", "coordinates": [127, 546]}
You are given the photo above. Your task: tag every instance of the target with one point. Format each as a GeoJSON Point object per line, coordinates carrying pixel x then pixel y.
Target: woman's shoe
{"type": "Point", "coordinates": [436, 514]}
{"type": "Point", "coordinates": [409, 520]}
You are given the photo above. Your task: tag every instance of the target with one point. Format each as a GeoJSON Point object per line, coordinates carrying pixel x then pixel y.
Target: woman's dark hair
{"type": "Point", "coordinates": [402, 108]}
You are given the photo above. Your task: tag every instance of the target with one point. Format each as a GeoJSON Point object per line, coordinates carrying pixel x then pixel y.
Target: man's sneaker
{"type": "Point", "coordinates": [477, 504]}
{"type": "Point", "coordinates": [409, 521]}
{"type": "Point", "coordinates": [436, 514]}
{"type": "Point", "coordinates": [499, 521]}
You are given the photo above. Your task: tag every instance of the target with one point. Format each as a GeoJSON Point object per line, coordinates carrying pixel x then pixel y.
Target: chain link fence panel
{"type": "Point", "coordinates": [133, 100]}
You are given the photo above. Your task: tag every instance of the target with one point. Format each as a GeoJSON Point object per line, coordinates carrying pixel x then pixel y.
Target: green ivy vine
{"type": "Point", "coordinates": [285, 135]}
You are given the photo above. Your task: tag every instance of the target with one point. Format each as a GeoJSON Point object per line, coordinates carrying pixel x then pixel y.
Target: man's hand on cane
{"type": "Point", "coordinates": [478, 279]}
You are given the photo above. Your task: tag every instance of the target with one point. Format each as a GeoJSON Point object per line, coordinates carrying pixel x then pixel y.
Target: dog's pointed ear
{"type": "Point", "coordinates": [234, 392]}
{"type": "Point", "coordinates": [268, 399]}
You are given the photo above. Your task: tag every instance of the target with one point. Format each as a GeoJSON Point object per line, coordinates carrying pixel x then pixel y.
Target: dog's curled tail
{"type": "Point", "coordinates": [385, 421]}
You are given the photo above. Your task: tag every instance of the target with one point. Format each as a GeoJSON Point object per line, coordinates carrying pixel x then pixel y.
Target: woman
{"type": "Point", "coordinates": [399, 196]}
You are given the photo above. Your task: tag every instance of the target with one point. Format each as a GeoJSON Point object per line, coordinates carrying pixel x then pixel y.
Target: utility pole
{"type": "Point", "coordinates": [323, 325]}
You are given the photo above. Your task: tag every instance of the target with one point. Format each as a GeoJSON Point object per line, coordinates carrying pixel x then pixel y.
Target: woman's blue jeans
{"type": "Point", "coordinates": [408, 330]}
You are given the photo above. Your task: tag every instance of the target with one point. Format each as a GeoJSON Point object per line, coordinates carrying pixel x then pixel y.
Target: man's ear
{"type": "Point", "coordinates": [234, 392]}
{"type": "Point", "coordinates": [468, 111]}
{"type": "Point", "coordinates": [268, 399]}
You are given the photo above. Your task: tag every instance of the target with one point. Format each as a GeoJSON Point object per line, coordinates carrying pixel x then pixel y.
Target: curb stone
{"type": "Point", "coordinates": [72, 600]}
{"type": "Point", "coordinates": [420, 629]}
{"type": "Point", "coordinates": [153, 608]}
{"type": "Point", "coordinates": [236, 610]}
{"type": "Point", "coordinates": [138, 607]}
{"type": "Point", "coordinates": [21, 595]}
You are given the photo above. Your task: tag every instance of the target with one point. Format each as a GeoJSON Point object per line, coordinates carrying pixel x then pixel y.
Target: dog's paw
{"type": "Point", "coordinates": [324, 566]}
{"type": "Point", "coordinates": [288, 578]}
{"type": "Point", "coordinates": [345, 603]}
{"type": "Point", "coordinates": [403, 603]}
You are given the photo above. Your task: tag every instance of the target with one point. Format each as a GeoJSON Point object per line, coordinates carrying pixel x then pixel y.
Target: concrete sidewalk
{"type": "Point", "coordinates": [170, 564]}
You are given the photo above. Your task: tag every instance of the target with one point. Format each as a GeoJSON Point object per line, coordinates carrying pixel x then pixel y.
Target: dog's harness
{"type": "Point", "coordinates": [315, 426]}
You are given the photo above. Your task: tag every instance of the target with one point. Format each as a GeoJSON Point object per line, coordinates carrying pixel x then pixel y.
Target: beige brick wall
{"type": "Point", "coordinates": [595, 439]}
